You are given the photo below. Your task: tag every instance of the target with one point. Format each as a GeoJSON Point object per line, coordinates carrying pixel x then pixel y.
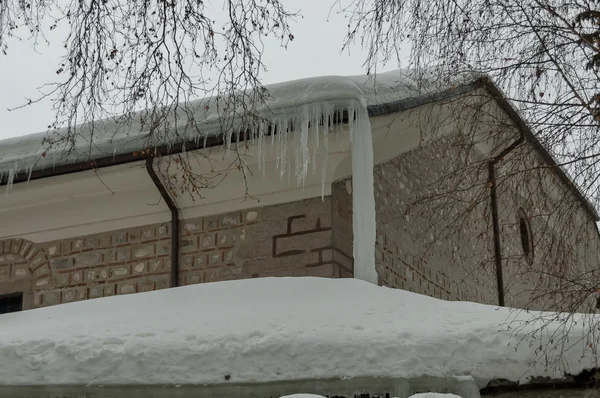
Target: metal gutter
{"type": "Point", "coordinates": [174, 277]}
{"type": "Point", "coordinates": [111, 160]}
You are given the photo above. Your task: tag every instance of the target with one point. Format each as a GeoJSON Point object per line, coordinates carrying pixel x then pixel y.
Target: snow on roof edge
{"type": "Point", "coordinates": [24, 153]}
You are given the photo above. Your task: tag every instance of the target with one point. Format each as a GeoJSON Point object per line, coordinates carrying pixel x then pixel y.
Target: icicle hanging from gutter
{"type": "Point", "coordinates": [298, 133]}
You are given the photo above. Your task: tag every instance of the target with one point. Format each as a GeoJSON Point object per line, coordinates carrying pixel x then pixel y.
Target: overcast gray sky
{"type": "Point", "coordinates": [314, 52]}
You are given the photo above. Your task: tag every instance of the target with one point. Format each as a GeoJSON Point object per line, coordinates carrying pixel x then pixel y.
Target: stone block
{"type": "Point", "coordinates": [25, 248]}
{"type": "Point", "coordinates": [251, 216]}
{"type": "Point", "coordinates": [91, 243]}
{"type": "Point", "coordinates": [200, 260]}
{"type": "Point", "coordinates": [143, 251]}
{"type": "Point", "coordinates": [154, 265]}
{"type": "Point", "coordinates": [82, 293]}
{"type": "Point", "coordinates": [231, 220]}
{"type": "Point", "coordinates": [295, 244]}
{"type": "Point", "coordinates": [38, 260]}
{"type": "Point", "coordinates": [224, 273]}
{"type": "Point", "coordinates": [146, 286]}
{"type": "Point", "coordinates": [121, 254]}
{"type": "Point", "coordinates": [163, 248]}
{"type": "Point", "coordinates": [11, 258]}
{"type": "Point", "coordinates": [69, 295]}
{"type": "Point", "coordinates": [4, 273]}
{"type": "Point", "coordinates": [96, 291]}
{"type": "Point", "coordinates": [138, 268]}
{"type": "Point", "coordinates": [65, 247]}
{"type": "Point", "coordinates": [193, 279]}
{"type": "Point", "coordinates": [53, 250]}
{"type": "Point", "coordinates": [225, 238]}
{"type": "Point", "coordinates": [77, 245]}
{"type": "Point", "coordinates": [127, 288]}
{"type": "Point", "coordinates": [102, 273]}
{"type": "Point", "coordinates": [327, 255]}
{"type": "Point", "coordinates": [191, 227]}
{"type": "Point", "coordinates": [91, 275]}
{"type": "Point", "coordinates": [120, 238]}
{"type": "Point", "coordinates": [211, 224]}
{"type": "Point", "coordinates": [109, 290]}
{"type": "Point", "coordinates": [20, 271]}
{"type": "Point", "coordinates": [62, 279]}
{"type": "Point", "coordinates": [42, 270]}
{"type": "Point", "coordinates": [229, 257]}
{"type": "Point", "coordinates": [163, 230]}
{"type": "Point", "coordinates": [215, 258]}
{"type": "Point", "coordinates": [16, 246]}
{"type": "Point", "coordinates": [134, 235]}
{"type": "Point", "coordinates": [162, 283]}
{"type": "Point", "coordinates": [51, 298]}
{"type": "Point", "coordinates": [189, 244]}
{"type": "Point", "coordinates": [343, 260]}
{"type": "Point", "coordinates": [208, 241]}
{"type": "Point", "coordinates": [187, 261]}
{"type": "Point", "coordinates": [148, 233]}
{"type": "Point", "coordinates": [119, 272]}
{"type": "Point", "coordinates": [104, 241]}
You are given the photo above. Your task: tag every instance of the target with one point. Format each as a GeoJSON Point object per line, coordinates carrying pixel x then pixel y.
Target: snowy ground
{"type": "Point", "coordinates": [274, 329]}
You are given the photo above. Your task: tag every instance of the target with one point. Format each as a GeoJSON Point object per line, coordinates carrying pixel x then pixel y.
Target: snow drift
{"type": "Point", "coordinates": [279, 329]}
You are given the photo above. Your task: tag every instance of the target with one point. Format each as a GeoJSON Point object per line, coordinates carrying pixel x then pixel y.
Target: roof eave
{"type": "Point", "coordinates": [373, 110]}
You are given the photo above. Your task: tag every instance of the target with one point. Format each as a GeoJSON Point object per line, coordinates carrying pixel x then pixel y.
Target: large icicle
{"type": "Point", "coordinates": [293, 150]}
{"type": "Point", "coordinates": [363, 193]}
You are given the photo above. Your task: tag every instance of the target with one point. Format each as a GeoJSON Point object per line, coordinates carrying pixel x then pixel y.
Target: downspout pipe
{"type": "Point", "coordinates": [174, 277]}
{"type": "Point", "coordinates": [495, 219]}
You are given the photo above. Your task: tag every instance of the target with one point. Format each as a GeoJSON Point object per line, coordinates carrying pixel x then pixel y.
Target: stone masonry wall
{"type": "Point", "coordinates": [434, 233]}
{"type": "Point", "coordinates": [409, 253]}
{"type": "Point", "coordinates": [292, 239]}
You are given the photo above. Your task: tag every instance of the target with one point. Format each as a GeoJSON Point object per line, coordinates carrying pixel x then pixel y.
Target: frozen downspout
{"type": "Point", "coordinates": [174, 221]}
{"type": "Point", "coordinates": [495, 219]}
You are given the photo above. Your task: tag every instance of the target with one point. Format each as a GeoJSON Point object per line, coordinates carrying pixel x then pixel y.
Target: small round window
{"type": "Point", "coordinates": [526, 236]}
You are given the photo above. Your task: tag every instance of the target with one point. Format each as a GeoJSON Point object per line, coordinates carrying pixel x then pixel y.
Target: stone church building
{"type": "Point", "coordinates": [469, 206]}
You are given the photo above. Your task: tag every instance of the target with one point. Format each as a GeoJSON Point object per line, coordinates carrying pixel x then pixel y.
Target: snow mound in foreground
{"type": "Point", "coordinates": [272, 329]}
{"type": "Point", "coordinates": [424, 395]}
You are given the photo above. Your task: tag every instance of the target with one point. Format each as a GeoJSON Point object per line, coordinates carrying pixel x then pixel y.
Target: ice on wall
{"type": "Point", "coordinates": [363, 195]}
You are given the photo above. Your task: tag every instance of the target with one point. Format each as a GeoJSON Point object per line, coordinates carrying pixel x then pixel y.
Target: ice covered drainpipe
{"type": "Point", "coordinates": [363, 193]}
{"type": "Point", "coordinates": [174, 221]}
{"type": "Point", "coordinates": [495, 218]}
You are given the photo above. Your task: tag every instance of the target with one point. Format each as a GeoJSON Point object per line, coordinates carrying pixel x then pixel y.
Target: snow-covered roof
{"type": "Point", "coordinates": [110, 137]}
{"type": "Point", "coordinates": [281, 329]}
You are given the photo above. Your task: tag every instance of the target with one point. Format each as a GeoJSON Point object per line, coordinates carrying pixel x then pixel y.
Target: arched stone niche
{"type": "Point", "coordinates": [25, 269]}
